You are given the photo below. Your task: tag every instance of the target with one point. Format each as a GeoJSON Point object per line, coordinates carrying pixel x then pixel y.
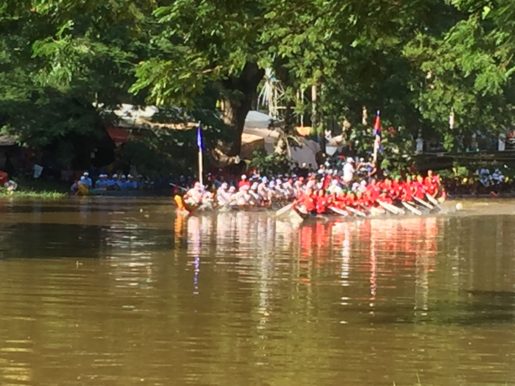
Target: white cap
{"type": "Point", "coordinates": [350, 159]}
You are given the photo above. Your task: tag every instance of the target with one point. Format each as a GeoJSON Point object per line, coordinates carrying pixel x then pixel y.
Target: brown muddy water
{"type": "Point", "coordinates": [111, 291]}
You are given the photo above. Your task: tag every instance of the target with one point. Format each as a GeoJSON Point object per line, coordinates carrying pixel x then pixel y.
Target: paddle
{"type": "Point", "coordinates": [284, 209]}
{"type": "Point", "coordinates": [177, 186]}
{"type": "Point", "coordinates": [356, 212]}
{"type": "Point", "coordinates": [433, 201]}
{"type": "Point", "coordinates": [339, 211]}
{"type": "Point", "coordinates": [412, 209]}
{"type": "Point", "coordinates": [390, 208]}
{"type": "Point", "coordinates": [422, 202]}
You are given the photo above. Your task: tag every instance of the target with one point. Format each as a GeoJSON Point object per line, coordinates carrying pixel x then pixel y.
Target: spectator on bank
{"type": "Point", "coordinates": [86, 180]}
{"type": "Point", "coordinates": [101, 183]}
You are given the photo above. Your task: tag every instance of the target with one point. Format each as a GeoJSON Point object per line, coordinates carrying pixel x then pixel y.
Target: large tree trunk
{"type": "Point", "coordinates": [240, 92]}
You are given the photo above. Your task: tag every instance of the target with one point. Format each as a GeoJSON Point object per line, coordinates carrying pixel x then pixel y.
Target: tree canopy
{"type": "Point", "coordinates": [416, 61]}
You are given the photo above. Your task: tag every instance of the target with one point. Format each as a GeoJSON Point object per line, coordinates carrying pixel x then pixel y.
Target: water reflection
{"type": "Point", "coordinates": [385, 249]}
{"type": "Point", "coordinates": [129, 293]}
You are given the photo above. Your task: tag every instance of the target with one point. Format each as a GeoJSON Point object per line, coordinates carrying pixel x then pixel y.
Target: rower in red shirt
{"type": "Point", "coordinates": [243, 182]}
{"type": "Point", "coordinates": [306, 201]}
{"type": "Point", "coordinates": [339, 200]}
{"type": "Point", "coordinates": [321, 202]}
{"type": "Point", "coordinates": [418, 188]}
{"type": "Point", "coordinates": [406, 192]}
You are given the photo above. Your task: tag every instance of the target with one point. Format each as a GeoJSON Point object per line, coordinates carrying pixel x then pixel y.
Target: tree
{"type": "Point", "coordinates": [467, 69]}
{"type": "Point", "coordinates": [206, 48]}
{"type": "Point", "coordinates": [415, 61]}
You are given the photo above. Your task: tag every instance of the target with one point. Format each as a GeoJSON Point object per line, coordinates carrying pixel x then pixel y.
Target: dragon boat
{"type": "Point", "coordinates": [416, 207]}
{"type": "Point", "coordinates": [320, 196]}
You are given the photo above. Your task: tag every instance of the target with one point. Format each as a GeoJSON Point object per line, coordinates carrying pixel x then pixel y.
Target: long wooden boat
{"type": "Point", "coordinates": [417, 208]}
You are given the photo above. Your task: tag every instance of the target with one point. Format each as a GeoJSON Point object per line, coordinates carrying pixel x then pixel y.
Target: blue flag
{"type": "Point", "coordinates": [199, 137]}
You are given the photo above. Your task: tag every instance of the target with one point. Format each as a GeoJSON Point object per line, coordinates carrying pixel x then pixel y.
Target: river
{"type": "Point", "coordinates": [113, 291]}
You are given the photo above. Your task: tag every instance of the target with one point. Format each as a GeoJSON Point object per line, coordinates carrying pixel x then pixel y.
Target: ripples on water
{"type": "Point", "coordinates": [122, 292]}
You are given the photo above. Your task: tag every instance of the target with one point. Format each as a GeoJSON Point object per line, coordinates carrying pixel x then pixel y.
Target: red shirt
{"type": "Point", "coordinates": [243, 183]}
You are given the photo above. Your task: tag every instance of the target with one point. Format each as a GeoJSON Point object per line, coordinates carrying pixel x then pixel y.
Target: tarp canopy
{"type": "Point", "coordinates": [306, 154]}
{"type": "Point", "coordinates": [258, 120]}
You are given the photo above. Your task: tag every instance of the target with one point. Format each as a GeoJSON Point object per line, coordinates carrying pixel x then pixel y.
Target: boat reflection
{"type": "Point", "coordinates": [391, 252]}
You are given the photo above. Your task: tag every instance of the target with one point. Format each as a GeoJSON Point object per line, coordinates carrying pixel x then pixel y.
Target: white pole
{"type": "Point", "coordinates": [201, 180]}
{"type": "Point", "coordinates": [377, 135]}
{"type": "Point", "coordinates": [376, 148]}
{"type": "Point", "coordinates": [200, 161]}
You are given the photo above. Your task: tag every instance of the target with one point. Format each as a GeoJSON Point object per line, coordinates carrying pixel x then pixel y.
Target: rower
{"type": "Point", "coordinates": [243, 181]}
{"type": "Point", "coordinates": [194, 195]}
{"type": "Point", "coordinates": [348, 171]}
{"type": "Point", "coordinates": [222, 194]}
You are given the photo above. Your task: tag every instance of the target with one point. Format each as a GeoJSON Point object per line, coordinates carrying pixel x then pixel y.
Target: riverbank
{"type": "Point", "coordinates": [42, 195]}
{"type": "Point", "coordinates": [44, 190]}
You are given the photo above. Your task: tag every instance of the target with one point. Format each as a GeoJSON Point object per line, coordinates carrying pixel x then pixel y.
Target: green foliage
{"type": "Point", "coordinates": [198, 44]}
{"type": "Point", "coordinates": [414, 60]}
{"type": "Point", "coordinates": [41, 190]}
{"type": "Point", "coordinates": [467, 68]}
{"type": "Point", "coordinates": [270, 164]}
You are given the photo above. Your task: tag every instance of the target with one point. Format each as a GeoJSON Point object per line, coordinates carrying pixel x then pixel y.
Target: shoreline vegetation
{"type": "Point", "coordinates": [42, 195]}
{"type": "Point", "coordinates": [51, 190]}
{"type": "Point", "coordinates": [44, 190]}
{"type": "Point", "coordinates": [54, 195]}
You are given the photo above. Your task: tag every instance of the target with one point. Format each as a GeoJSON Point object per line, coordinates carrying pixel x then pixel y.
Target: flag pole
{"type": "Point", "coordinates": [200, 160]}
{"type": "Point", "coordinates": [377, 135]}
{"type": "Point", "coordinates": [376, 147]}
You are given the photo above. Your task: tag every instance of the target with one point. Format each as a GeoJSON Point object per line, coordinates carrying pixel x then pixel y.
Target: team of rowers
{"type": "Point", "coordinates": [319, 194]}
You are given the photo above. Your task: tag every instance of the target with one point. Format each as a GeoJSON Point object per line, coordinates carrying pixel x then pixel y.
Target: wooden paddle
{"type": "Point", "coordinates": [433, 201]}
{"type": "Point", "coordinates": [339, 211]}
{"type": "Point", "coordinates": [178, 186]}
{"type": "Point", "coordinates": [390, 208]}
{"type": "Point", "coordinates": [356, 212]}
{"type": "Point", "coordinates": [422, 202]}
{"type": "Point", "coordinates": [284, 209]}
{"type": "Point", "coordinates": [412, 209]}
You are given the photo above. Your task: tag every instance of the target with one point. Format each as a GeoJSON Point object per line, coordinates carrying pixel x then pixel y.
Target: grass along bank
{"type": "Point", "coordinates": [29, 188]}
